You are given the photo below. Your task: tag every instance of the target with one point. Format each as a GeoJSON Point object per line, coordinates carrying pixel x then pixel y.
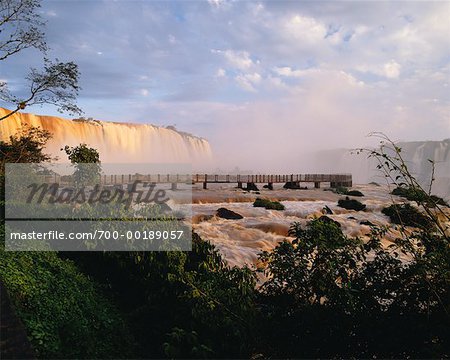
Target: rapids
{"type": "Point", "coordinates": [240, 241]}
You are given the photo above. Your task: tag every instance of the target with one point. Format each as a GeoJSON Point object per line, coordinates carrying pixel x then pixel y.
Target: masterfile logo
{"type": "Point", "coordinates": [111, 207]}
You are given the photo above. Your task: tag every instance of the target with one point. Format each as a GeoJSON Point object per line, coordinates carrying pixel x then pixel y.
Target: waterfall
{"type": "Point", "coordinates": [418, 153]}
{"type": "Point", "coordinates": [415, 153]}
{"type": "Point", "coordinates": [116, 142]}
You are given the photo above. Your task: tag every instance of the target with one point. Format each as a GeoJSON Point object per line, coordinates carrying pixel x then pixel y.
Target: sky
{"type": "Point", "coordinates": [257, 79]}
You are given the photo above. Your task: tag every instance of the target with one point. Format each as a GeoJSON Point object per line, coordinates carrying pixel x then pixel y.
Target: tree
{"type": "Point", "coordinates": [25, 147]}
{"type": "Point", "coordinates": [86, 161]}
{"type": "Point", "coordinates": [332, 296]}
{"type": "Point", "coordinates": [21, 27]}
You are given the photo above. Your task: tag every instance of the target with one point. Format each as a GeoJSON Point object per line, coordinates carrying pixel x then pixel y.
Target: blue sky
{"type": "Point", "coordinates": [320, 74]}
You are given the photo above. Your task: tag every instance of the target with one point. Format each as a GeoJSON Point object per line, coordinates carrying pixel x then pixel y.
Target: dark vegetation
{"type": "Point", "coordinates": [326, 296]}
{"type": "Point", "coordinates": [344, 191]}
{"type": "Point", "coordinates": [180, 304]}
{"type": "Point", "coordinates": [64, 312]}
{"type": "Point", "coordinates": [405, 214]}
{"type": "Point", "coordinates": [86, 161]}
{"type": "Point", "coordinates": [269, 205]}
{"type": "Point", "coordinates": [419, 196]}
{"type": "Point", "coordinates": [89, 120]}
{"type": "Point", "coordinates": [329, 220]}
{"type": "Point", "coordinates": [25, 147]}
{"type": "Point", "coordinates": [354, 193]}
{"type": "Point", "coordinates": [351, 204]}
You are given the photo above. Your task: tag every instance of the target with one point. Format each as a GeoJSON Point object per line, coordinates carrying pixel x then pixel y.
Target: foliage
{"type": "Point", "coordinates": [407, 215]}
{"type": "Point", "coordinates": [344, 191]}
{"type": "Point", "coordinates": [21, 27]}
{"type": "Point", "coordinates": [355, 193]}
{"type": "Point", "coordinates": [351, 204]}
{"type": "Point", "coordinates": [340, 190]}
{"type": "Point", "coordinates": [24, 31]}
{"type": "Point", "coordinates": [395, 169]}
{"type": "Point", "coordinates": [418, 195]}
{"type": "Point", "coordinates": [65, 314]}
{"type": "Point", "coordinates": [269, 205]}
{"type": "Point", "coordinates": [182, 343]}
{"type": "Point", "coordinates": [331, 296]}
{"type": "Point", "coordinates": [188, 303]}
{"type": "Point", "coordinates": [89, 120]}
{"type": "Point", "coordinates": [25, 147]}
{"type": "Point", "coordinates": [80, 156]}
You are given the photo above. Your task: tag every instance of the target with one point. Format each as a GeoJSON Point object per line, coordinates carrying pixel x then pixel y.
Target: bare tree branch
{"type": "Point", "coordinates": [57, 84]}
{"type": "Point", "coordinates": [20, 27]}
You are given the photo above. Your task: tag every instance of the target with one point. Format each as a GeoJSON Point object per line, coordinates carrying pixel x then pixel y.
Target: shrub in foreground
{"type": "Point", "coordinates": [63, 311]}
{"type": "Point", "coordinates": [179, 304]}
{"type": "Point", "coordinates": [331, 296]}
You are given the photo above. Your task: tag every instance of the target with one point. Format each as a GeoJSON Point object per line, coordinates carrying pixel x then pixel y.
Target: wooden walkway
{"type": "Point", "coordinates": [334, 180]}
{"type": "Point", "coordinates": [293, 179]}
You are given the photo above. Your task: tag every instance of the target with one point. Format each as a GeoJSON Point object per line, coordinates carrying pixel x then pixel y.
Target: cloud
{"type": "Point", "coordinates": [317, 74]}
{"type": "Point", "coordinates": [237, 59]}
{"type": "Point", "coordinates": [304, 28]}
{"type": "Point", "coordinates": [172, 39]}
{"type": "Point", "coordinates": [288, 72]}
{"type": "Point", "coordinates": [217, 3]}
{"type": "Point", "coordinates": [248, 81]}
{"type": "Point", "coordinates": [221, 73]}
{"type": "Point", "coordinates": [392, 69]}
{"type": "Point", "coordinates": [51, 13]}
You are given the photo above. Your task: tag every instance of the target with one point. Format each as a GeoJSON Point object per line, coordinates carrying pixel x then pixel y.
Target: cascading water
{"type": "Point", "coordinates": [416, 154]}
{"type": "Point", "coordinates": [419, 154]}
{"type": "Point", "coordinates": [116, 142]}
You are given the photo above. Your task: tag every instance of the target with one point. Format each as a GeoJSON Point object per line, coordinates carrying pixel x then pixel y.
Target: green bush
{"type": "Point", "coordinates": [269, 205]}
{"type": "Point", "coordinates": [344, 191]}
{"type": "Point", "coordinates": [419, 196]}
{"type": "Point", "coordinates": [180, 304]}
{"type": "Point", "coordinates": [407, 215]}
{"type": "Point", "coordinates": [331, 296]}
{"type": "Point", "coordinates": [351, 204]}
{"type": "Point", "coordinates": [63, 311]}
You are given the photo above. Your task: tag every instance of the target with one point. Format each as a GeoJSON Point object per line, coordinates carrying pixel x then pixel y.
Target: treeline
{"type": "Point", "coordinates": [327, 295]}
